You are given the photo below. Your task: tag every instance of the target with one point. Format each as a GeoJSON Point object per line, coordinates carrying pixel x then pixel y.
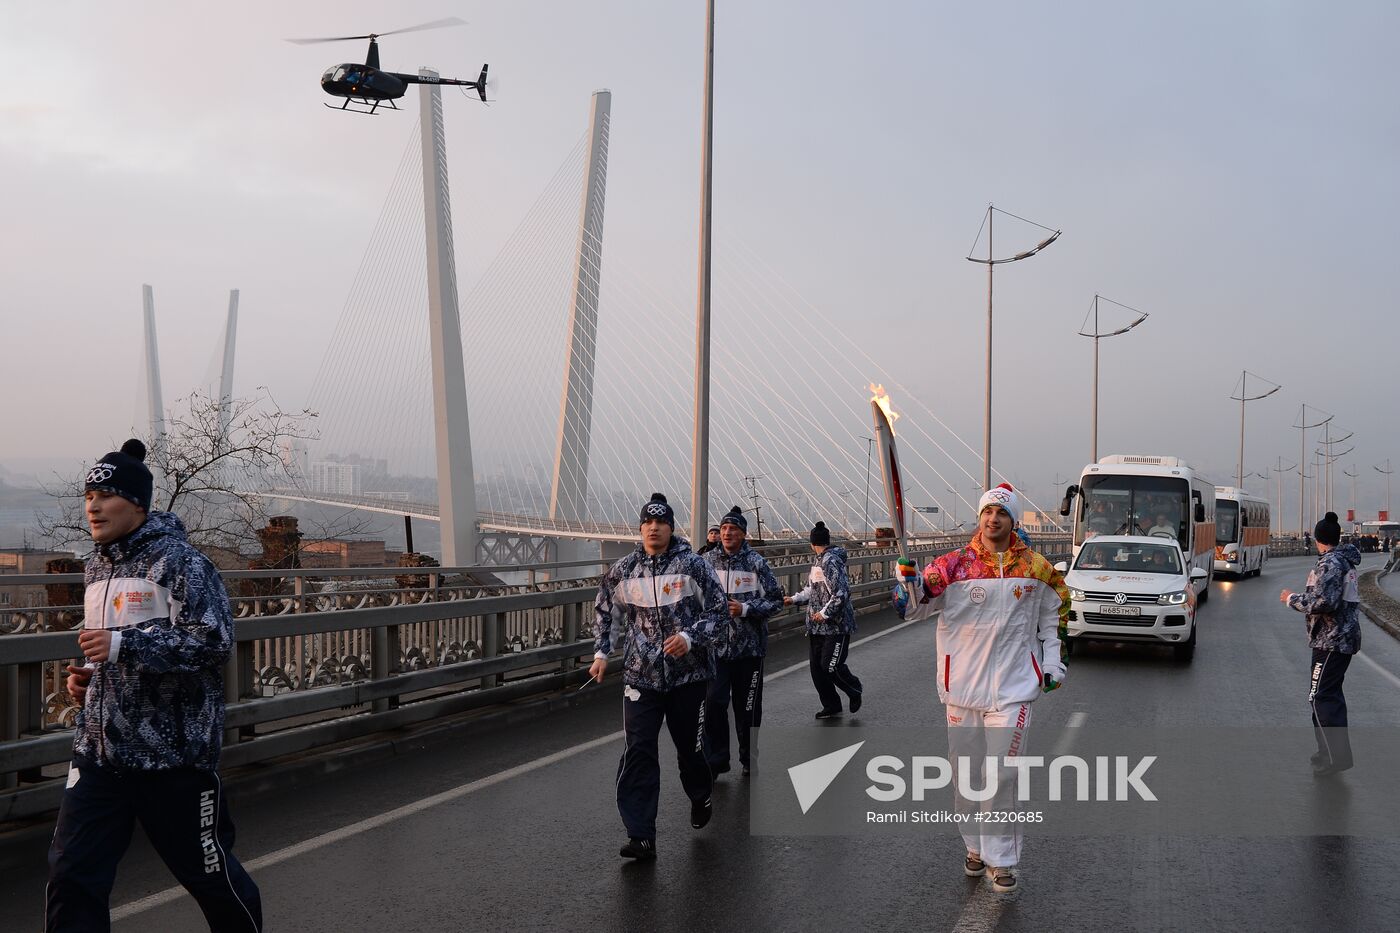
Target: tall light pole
{"type": "Point", "coordinates": [1387, 471]}
{"type": "Point", "coordinates": [700, 477]}
{"type": "Point", "coordinates": [1094, 310]}
{"type": "Point", "coordinates": [1243, 397]}
{"type": "Point", "coordinates": [1329, 457]}
{"type": "Point", "coordinates": [1280, 469]}
{"type": "Point", "coordinates": [991, 263]}
{"type": "Point", "coordinates": [1352, 474]}
{"type": "Point", "coordinates": [1303, 426]}
{"type": "Point", "coordinates": [869, 441]}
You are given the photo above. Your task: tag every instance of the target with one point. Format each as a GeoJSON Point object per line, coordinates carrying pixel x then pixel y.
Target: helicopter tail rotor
{"type": "Point", "coordinates": [481, 84]}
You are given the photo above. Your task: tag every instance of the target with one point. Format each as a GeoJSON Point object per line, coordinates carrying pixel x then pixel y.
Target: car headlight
{"type": "Point", "coordinates": [1172, 599]}
{"type": "Point", "coordinates": [1076, 595]}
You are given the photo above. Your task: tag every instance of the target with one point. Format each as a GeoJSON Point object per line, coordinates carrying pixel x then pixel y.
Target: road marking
{"type": "Point", "coordinates": [374, 822]}
{"type": "Point", "coordinates": [803, 665]}
{"type": "Point", "coordinates": [1380, 670]}
{"type": "Point", "coordinates": [1076, 719]}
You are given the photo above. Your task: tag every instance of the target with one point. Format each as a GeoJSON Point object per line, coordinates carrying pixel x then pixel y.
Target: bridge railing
{"type": "Point", "coordinates": [300, 680]}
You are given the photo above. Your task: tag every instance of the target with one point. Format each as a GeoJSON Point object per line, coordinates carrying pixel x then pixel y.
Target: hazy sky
{"type": "Point", "coordinates": [1228, 167]}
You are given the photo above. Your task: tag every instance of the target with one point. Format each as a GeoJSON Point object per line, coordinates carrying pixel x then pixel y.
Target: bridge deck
{"type": "Point", "coordinates": [523, 834]}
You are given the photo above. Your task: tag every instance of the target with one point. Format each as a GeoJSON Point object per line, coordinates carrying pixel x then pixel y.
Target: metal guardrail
{"type": "Point", "coordinates": [382, 668]}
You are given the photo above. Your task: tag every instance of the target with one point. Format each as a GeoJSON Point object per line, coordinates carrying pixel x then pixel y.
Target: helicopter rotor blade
{"type": "Point", "coordinates": [435, 24]}
{"type": "Point", "coordinates": [328, 39]}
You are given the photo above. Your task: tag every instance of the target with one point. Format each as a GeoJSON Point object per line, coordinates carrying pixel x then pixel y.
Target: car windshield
{"type": "Point", "coordinates": [1128, 557]}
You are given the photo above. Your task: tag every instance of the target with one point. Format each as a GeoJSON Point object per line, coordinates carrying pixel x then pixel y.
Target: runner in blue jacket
{"type": "Point", "coordinates": [830, 621]}
{"type": "Point", "coordinates": [156, 632]}
{"type": "Point", "coordinates": [671, 609]}
{"type": "Point", "coordinates": [753, 594]}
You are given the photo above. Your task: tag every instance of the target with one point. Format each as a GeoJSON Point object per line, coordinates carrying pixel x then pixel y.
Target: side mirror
{"type": "Point", "coordinates": [1198, 574]}
{"type": "Point", "coordinates": [1062, 566]}
{"type": "Point", "coordinates": [1200, 512]}
{"type": "Point", "coordinates": [1064, 506]}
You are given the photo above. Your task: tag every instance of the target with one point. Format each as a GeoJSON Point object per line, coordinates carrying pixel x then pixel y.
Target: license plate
{"type": "Point", "coordinates": [1120, 610]}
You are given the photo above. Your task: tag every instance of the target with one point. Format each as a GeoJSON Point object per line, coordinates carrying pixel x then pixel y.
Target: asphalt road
{"type": "Point", "coordinates": [535, 848]}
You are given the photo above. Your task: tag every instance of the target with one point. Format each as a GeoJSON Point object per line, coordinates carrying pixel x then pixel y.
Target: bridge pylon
{"type": "Point", "coordinates": [456, 483]}
{"type": "Point", "coordinates": [569, 492]}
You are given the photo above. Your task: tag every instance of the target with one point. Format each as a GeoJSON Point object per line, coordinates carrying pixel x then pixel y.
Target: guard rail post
{"type": "Point", "coordinates": [493, 630]}
{"type": "Point", "coordinates": [384, 661]}
{"type": "Point", "coordinates": [572, 616]}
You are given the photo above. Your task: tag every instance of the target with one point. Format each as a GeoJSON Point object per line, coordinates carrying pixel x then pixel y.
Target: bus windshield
{"type": "Point", "coordinates": [1227, 517]}
{"type": "Point", "coordinates": [1134, 505]}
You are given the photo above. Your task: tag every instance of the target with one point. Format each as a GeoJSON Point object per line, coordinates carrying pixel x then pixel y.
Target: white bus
{"type": "Point", "coordinates": [1132, 494]}
{"type": "Point", "coordinates": [1241, 532]}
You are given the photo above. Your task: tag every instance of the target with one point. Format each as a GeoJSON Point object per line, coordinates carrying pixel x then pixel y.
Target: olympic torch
{"type": "Point", "coordinates": [885, 417]}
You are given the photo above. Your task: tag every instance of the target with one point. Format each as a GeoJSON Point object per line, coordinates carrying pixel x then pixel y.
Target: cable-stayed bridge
{"type": "Point", "coordinates": [577, 370]}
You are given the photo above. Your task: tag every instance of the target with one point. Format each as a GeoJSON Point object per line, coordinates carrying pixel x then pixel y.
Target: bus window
{"type": "Point", "coordinates": [1227, 514]}
{"type": "Point", "coordinates": [1133, 505]}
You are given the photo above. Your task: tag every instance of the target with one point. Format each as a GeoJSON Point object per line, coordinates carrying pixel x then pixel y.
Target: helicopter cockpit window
{"type": "Point", "coordinates": [329, 75]}
{"type": "Point", "coordinates": [340, 73]}
{"type": "Point", "coordinates": [353, 76]}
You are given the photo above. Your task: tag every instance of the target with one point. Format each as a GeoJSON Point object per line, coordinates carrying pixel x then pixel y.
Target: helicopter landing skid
{"type": "Point", "coordinates": [372, 105]}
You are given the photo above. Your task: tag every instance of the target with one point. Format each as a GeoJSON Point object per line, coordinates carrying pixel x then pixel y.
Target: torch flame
{"type": "Point", "coordinates": [880, 397]}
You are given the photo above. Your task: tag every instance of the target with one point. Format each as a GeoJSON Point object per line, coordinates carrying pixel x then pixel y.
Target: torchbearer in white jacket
{"type": "Point", "coordinates": [1003, 610]}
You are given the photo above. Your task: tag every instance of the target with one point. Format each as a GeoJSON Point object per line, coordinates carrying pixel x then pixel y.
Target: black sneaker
{"type": "Point", "coordinates": [640, 849]}
{"type": "Point", "coordinates": [717, 770]}
{"type": "Point", "coordinates": [1327, 770]}
{"type": "Point", "coordinates": [973, 866]}
{"type": "Point", "coordinates": [700, 813]}
{"type": "Point", "coordinates": [828, 713]}
{"type": "Point", "coordinates": [856, 700]}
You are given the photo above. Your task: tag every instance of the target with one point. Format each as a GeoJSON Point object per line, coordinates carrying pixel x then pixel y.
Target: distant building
{"type": "Point", "coordinates": [340, 552]}
{"type": "Point", "coordinates": [333, 478]}
{"type": "Point", "coordinates": [26, 561]}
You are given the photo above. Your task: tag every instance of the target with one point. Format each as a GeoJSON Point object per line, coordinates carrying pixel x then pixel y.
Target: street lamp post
{"type": "Point", "coordinates": [991, 263]}
{"type": "Point", "coordinates": [1352, 474]}
{"type": "Point", "coordinates": [1280, 469]}
{"type": "Point", "coordinates": [1243, 397]}
{"type": "Point", "coordinates": [700, 475]}
{"type": "Point", "coordinates": [1303, 426]}
{"type": "Point", "coordinates": [1142, 316]}
{"type": "Point", "coordinates": [1387, 471]}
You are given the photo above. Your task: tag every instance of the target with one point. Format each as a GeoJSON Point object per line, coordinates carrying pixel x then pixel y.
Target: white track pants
{"type": "Point", "coordinates": [976, 735]}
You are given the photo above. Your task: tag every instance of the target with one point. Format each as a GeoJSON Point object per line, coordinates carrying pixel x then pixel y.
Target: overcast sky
{"type": "Point", "coordinates": [1228, 167]}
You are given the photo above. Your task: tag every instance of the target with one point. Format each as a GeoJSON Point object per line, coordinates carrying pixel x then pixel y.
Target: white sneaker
{"type": "Point", "coordinates": [1003, 880]}
{"type": "Point", "coordinates": [973, 866]}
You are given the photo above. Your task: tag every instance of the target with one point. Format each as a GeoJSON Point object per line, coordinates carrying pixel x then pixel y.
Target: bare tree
{"type": "Point", "coordinates": [210, 467]}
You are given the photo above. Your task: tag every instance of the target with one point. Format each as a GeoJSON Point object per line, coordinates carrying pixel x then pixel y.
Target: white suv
{"type": "Point", "coordinates": [1133, 589]}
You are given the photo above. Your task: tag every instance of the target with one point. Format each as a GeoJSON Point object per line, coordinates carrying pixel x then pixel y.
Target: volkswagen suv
{"type": "Point", "coordinates": [1133, 589]}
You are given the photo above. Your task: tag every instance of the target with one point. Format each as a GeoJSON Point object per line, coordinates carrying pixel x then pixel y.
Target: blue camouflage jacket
{"type": "Point", "coordinates": [828, 592]}
{"type": "Point", "coordinates": [653, 598]}
{"type": "Point", "coordinates": [1332, 601]}
{"type": "Point", "coordinates": [746, 579]}
{"type": "Point", "coordinates": [159, 703]}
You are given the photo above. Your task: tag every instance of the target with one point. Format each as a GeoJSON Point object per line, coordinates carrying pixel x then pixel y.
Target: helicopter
{"type": "Point", "coordinates": [369, 87]}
